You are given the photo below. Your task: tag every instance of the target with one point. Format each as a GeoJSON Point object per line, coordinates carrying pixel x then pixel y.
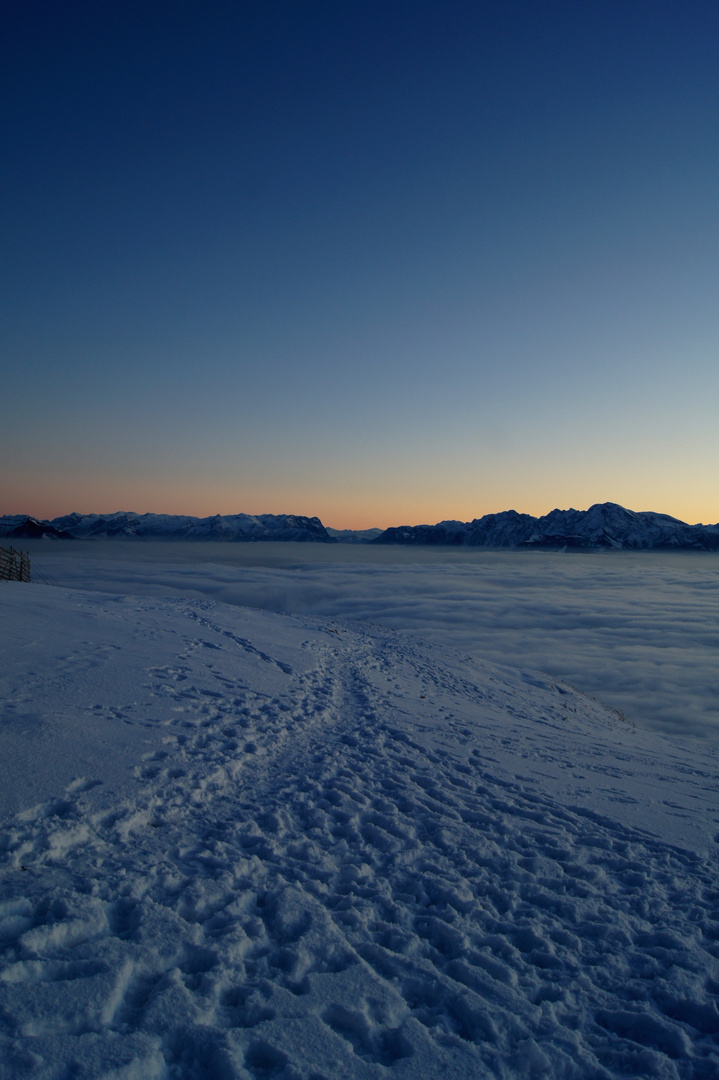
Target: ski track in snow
{"type": "Point", "coordinates": [327, 871]}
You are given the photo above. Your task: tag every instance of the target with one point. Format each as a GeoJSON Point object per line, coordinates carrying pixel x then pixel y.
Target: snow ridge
{"type": "Point", "coordinates": [344, 851]}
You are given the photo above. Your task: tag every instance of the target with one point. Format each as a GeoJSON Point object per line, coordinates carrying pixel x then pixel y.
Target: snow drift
{"type": "Point", "coordinates": [244, 844]}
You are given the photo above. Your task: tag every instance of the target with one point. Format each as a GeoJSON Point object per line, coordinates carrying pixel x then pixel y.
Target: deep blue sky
{"type": "Point", "coordinates": [380, 261]}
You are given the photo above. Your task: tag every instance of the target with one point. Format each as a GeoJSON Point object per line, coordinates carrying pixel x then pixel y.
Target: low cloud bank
{"type": "Point", "coordinates": [638, 631]}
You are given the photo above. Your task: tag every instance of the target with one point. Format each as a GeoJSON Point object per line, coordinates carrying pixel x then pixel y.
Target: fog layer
{"type": "Point", "coordinates": [639, 631]}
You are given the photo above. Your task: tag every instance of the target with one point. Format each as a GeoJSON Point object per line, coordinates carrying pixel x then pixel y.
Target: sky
{"type": "Point", "coordinates": [383, 262]}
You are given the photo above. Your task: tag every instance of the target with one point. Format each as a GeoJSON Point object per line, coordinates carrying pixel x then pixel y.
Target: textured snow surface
{"type": "Point", "coordinates": [244, 844]}
{"type": "Point", "coordinates": [639, 630]}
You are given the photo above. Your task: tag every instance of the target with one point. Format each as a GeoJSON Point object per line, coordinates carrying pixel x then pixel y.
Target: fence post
{"type": "Point", "coordinates": [14, 565]}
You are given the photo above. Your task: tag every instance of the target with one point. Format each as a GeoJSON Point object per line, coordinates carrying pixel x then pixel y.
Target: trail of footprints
{"type": "Point", "coordinates": [302, 890]}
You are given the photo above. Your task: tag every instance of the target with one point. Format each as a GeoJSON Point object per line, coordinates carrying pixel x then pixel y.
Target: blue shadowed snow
{"type": "Point", "coordinates": [245, 844]}
{"type": "Point", "coordinates": [638, 631]}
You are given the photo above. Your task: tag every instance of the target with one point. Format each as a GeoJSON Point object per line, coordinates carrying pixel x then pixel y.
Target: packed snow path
{"type": "Point", "coordinates": [239, 844]}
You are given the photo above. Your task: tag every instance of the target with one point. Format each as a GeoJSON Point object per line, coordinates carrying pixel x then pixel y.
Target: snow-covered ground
{"type": "Point", "coordinates": [638, 630]}
{"type": "Point", "coordinates": [238, 843]}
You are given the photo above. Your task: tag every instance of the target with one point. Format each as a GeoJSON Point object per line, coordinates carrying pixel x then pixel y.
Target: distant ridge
{"type": "Point", "coordinates": [128, 526]}
{"type": "Point", "coordinates": [21, 527]}
{"type": "Point", "coordinates": [602, 526]}
{"type": "Point", "coordinates": [354, 536]}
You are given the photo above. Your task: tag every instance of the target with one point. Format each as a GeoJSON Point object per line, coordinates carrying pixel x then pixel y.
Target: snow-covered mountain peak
{"type": "Point", "coordinates": [603, 525]}
{"type": "Point", "coordinates": [129, 525]}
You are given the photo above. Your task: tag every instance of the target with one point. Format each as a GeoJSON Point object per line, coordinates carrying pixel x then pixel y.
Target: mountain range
{"type": "Point", "coordinates": [127, 526]}
{"type": "Point", "coordinates": [604, 525]}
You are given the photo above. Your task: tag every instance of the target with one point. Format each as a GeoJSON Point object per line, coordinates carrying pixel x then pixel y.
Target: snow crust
{"type": "Point", "coordinates": [244, 844]}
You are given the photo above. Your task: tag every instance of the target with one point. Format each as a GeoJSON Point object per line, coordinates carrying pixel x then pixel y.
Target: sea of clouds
{"type": "Point", "coordinates": [639, 631]}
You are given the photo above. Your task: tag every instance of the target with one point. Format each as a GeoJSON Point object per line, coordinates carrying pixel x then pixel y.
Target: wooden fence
{"type": "Point", "coordinates": [14, 565]}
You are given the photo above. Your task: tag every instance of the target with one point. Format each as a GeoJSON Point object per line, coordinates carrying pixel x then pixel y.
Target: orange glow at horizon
{"type": "Point", "coordinates": [339, 510]}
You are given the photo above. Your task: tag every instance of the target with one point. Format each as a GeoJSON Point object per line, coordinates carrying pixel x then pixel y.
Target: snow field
{"type": "Point", "coordinates": [275, 846]}
{"type": "Point", "coordinates": [638, 630]}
